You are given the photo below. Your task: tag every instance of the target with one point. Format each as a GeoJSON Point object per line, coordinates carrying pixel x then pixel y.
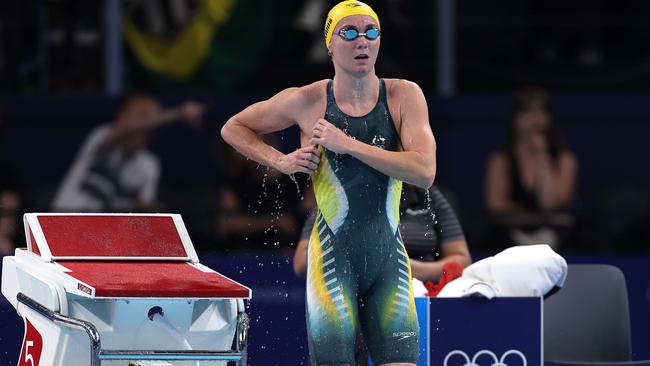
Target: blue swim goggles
{"type": "Point", "coordinates": [352, 33]}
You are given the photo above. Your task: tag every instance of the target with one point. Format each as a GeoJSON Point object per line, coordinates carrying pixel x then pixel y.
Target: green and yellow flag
{"type": "Point", "coordinates": [222, 44]}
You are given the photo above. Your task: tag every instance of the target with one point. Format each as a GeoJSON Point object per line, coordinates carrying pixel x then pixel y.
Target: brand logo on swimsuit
{"type": "Point", "coordinates": [404, 335]}
{"type": "Point", "coordinates": [494, 362]}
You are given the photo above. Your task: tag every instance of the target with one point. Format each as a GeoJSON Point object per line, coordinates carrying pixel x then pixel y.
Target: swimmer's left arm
{"type": "Point", "coordinates": [416, 164]}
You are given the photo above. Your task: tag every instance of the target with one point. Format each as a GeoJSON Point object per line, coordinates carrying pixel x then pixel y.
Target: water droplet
{"type": "Point", "coordinates": [293, 178]}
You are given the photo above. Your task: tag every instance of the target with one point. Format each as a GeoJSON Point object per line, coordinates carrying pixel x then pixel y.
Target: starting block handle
{"type": "Point", "coordinates": [241, 336]}
{"type": "Point", "coordinates": [89, 328]}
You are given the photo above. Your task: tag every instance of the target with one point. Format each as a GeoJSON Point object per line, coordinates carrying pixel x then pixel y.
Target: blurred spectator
{"type": "Point", "coordinates": [10, 202]}
{"type": "Point", "coordinates": [258, 209]}
{"type": "Point", "coordinates": [9, 216]}
{"type": "Point", "coordinates": [430, 230]}
{"type": "Point", "coordinates": [530, 181]}
{"type": "Point", "coordinates": [114, 171]}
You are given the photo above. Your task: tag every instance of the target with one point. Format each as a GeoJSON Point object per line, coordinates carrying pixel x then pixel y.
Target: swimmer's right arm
{"type": "Point", "coordinates": [243, 130]}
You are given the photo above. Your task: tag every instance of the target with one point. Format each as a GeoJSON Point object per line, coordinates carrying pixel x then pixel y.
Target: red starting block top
{"type": "Point", "coordinates": [108, 237]}
{"type": "Point", "coordinates": [125, 255]}
{"type": "Point", "coordinates": [152, 279]}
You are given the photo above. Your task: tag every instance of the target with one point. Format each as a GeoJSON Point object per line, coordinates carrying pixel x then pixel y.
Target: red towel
{"type": "Point", "coordinates": [450, 271]}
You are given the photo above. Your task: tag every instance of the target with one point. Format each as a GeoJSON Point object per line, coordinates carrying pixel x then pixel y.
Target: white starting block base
{"type": "Point", "coordinates": [110, 305]}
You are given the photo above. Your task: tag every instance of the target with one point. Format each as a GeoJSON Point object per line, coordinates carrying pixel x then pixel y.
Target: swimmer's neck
{"type": "Point", "coordinates": [356, 89]}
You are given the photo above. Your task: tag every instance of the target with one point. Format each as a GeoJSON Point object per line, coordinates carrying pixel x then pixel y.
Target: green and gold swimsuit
{"type": "Point", "coordinates": [358, 271]}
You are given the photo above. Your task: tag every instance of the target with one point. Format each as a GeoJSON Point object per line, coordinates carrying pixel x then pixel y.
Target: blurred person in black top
{"type": "Point", "coordinates": [530, 181]}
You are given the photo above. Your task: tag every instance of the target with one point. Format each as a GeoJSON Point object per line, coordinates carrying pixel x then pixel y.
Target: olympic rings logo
{"type": "Point", "coordinates": [497, 361]}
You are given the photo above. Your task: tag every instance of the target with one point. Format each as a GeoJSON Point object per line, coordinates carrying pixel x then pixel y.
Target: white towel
{"type": "Point", "coordinates": [529, 270]}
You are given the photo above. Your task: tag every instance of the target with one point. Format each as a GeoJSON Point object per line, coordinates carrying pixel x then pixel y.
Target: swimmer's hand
{"type": "Point", "coordinates": [330, 137]}
{"type": "Point", "coordinates": [304, 160]}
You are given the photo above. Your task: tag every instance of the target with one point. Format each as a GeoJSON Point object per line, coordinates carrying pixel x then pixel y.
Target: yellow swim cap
{"type": "Point", "coordinates": [345, 9]}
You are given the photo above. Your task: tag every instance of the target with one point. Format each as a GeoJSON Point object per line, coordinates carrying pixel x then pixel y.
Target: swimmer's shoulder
{"type": "Point", "coordinates": [310, 97]}
{"type": "Point", "coordinates": [307, 94]}
{"type": "Point", "coordinates": [300, 99]}
{"type": "Point", "coordinates": [315, 92]}
{"type": "Point", "coordinates": [400, 93]}
{"type": "Point", "coordinates": [400, 88]}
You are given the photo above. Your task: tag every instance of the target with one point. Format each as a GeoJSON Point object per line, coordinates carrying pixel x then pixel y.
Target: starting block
{"type": "Point", "coordinates": [119, 289]}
